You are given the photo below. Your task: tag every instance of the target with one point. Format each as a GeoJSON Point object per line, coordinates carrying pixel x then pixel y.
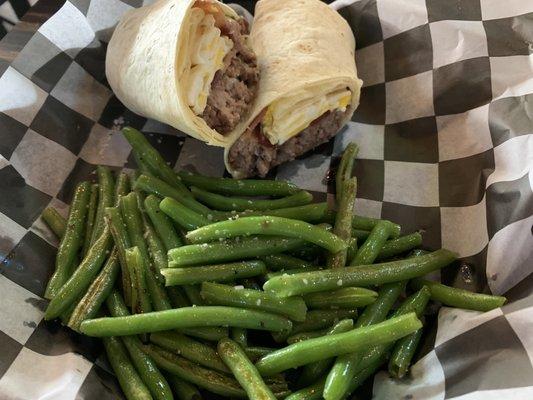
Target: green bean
{"type": "Point", "coordinates": [151, 158]}
{"type": "Point", "coordinates": [135, 263]}
{"type": "Point", "coordinates": [363, 223]}
{"type": "Point", "coordinates": [210, 380]}
{"type": "Point", "coordinates": [223, 203]}
{"type": "Point", "coordinates": [400, 245]}
{"type": "Point", "coordinates": [216, 294]}
{"type": "Point", "coordinates": [294, 271]}
{"type": "Point", "coordinates": [91, 218]}
{"type": "Point", "coordinates": [345, 366]}
{"type": "Point", "coordinates": [244, 371]}
{"type": "Point", "coordinates": [186, 317]}
{"type": "Point", "coordinates": [162, 223]}
{"type": "Point", "coordinates": [324, 347]}
{"type": "Point", "coordinates": [193, 294]}
{"type": "Point", "coordinates": [350, 297]}
{"type": "Point", "coordinates": [190, 349]}
{"type": "Point", "coordinates": [122, 188]}
{"type": "Point", "coordinates": [210, 333]}
{"type": "Point", "coordinates": [147, 369]}
{"type": "Point", "coordinates": [460, 298]}
{"type": "Point", "coordinates": [129, 207]}
{"type": "Point", "coordinates": [217, 273]}
{"type": "Point", "coordinates": [117, 228]}
{"type": "Point", "coordinates": [95, 296]}
{"type": "Point", "coordinates": [240, 335]}
{"type": "Point", "coordinates": [318, 319]}
{"type": "Point", "coordinates": [362, 375]}
{"type": "Point", "coordinates": [152, 185]}
{"type": "Point", "coordinates": [376, 274]}
{"type": "Point", "coordinates": [142, 167]}
{"type": "Point", "coordinates": [239, 187]}
{"type": "Point", "coordinates": [267, 225]}
{"type": "Point", "coordinates": [344, 171]}
{"type": "Point", "coordinates": [415, 303]}
{"type": "Point", "coordinates": [309, 213]}
{"type": "Point", "coordinates": [279, 262]}
{"type": "Point", "coordinates": [145, 366]}
{"type": "Point", "coordinates": [183, 216]}
{"type": "Point", "coordinates": [82, 278]}
{"type": "Point", "coordinates": [313, 392]}
{"type": "Point", "coordinates": [256, 352]}
{"type": "Point", "coordinates": [232, 250]}
{"type": "Point", "coordinates": [183, 389]}
{"type": "Point", "coordinates": [106, 197]}
{"type": "Point", "coordinates": [360, 234]}
{"type": "Point", "coordinates": [154, 279]}
{"type": "Point", "coordinates": [403, 353]}
{"type": "Point", "coordinates": [343, 222]}
{"type": "Point", "coordinates": [71, 241]}
{"type": "Point", "coordinates": [312, 372]}
{"type": "Point", "coordinates": [55, 221]}
{"type": "Point", "coordinates": [130, 381]}
{"type": "Point", "coordinates": [298, 337]}
{"type": "Point", "coordinates": [370, 249]}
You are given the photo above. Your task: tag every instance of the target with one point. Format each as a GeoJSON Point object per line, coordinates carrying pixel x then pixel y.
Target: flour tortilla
{"type": "Point", "coordinates": [144, 63]}
{"type": "Point", "coordinates": [304, 49]}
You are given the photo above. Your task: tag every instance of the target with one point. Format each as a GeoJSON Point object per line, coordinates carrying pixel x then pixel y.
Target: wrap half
{"type": "Point", "coordinates": [308, 85]}
{"type": "Point", "coordinates": [186, 63]}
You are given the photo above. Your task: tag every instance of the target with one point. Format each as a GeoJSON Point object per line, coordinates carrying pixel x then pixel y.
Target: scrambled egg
{"type": "Point", "coordinates": [207, 49]}
{"type": "Point", "coordinates": [287, 117]}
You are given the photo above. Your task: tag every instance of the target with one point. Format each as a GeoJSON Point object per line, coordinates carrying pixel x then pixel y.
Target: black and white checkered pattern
{"type": "Point", "coordinates": [445, 128]}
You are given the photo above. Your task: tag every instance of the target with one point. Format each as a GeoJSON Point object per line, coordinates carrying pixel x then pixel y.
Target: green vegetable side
{"type": "Point", "coordinates": [165, 267]}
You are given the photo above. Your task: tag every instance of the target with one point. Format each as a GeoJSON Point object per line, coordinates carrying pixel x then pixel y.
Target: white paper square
{"type": "Point", "coordinates": [398, 16]}
{"type": "Point", "coordinates": [370, 62]}
{"type": "Point", "coordinates": [457, 40]}
{"type": "Point", "coordinates": [409, 98]}
{"type": "Point", "coordinates": [308, 173]}
{"type": "Point", "coordinates": [36, 376]}
{"type": "Point", "coordinates": [414, 184]}
{"type": "Point", "coordinates": [68, 29]}
{"type": "Point", "coordinates": [10, 233]}
{"type": "Point", "coordinates": [106, 146]}
{"type": "Point", "coordinates": [493, 9]}
{"type": "Point", "coordinates": [509, 256]}
{"type": "Point", "coordinates": [103, 16]}
{"type": "Point", "coordinates": [368, 208]}
{"type": "Point", "coordinates": [455, 321]}
{"type": "Point", "coordinates": [369, 138]}
{"type": "Point", "coordinates": [20, 98]}
{"type": "Point", "coordinates": [20, 314]}
{"type": "Point", "coordinates": [511, 76]}
{"type": "Point", "coordinates": [470, 129]}
{"type": "Point", "coordinates": [464, 229]}
{"type": "Point", "coordinates": [45, 169]}
{"type": "Point", "coordinates": [522, 323]}
{"type": "Point", "coordinates": [512, 159]}
{"type": "Point", "coordinates": [81, 92]}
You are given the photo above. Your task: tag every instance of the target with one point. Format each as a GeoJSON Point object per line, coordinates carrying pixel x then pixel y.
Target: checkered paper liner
{"type": "Point", "coordinates": [445, 129]}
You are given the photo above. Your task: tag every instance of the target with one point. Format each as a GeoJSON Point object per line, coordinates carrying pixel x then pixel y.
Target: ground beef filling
{"type": "Point", "coordinates": [252, 154]}
{"type": "Point", "coordinates": [234, 87]}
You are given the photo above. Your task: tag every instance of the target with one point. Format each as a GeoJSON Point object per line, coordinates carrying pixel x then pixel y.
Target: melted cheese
{"type": "Point", "coordinates": [289, 116]}
{"type": "Point", "coordinates": [207, 49]}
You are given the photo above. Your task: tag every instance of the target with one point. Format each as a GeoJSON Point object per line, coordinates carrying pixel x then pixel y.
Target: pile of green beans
{"type": "Point", "coordinates": [178, 273]}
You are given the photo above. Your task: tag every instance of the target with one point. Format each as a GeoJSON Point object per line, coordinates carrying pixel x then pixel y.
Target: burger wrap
{"type": "Point", "coordinates": [185, 63]}
{"type": "Point", "coordinates": [308, 84]}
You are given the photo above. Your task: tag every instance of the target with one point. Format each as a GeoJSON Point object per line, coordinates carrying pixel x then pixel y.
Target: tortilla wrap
{"type": "Point", "coordinates": [305, 51]}
{"type": "Point", "coordinates": [151, 54]}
